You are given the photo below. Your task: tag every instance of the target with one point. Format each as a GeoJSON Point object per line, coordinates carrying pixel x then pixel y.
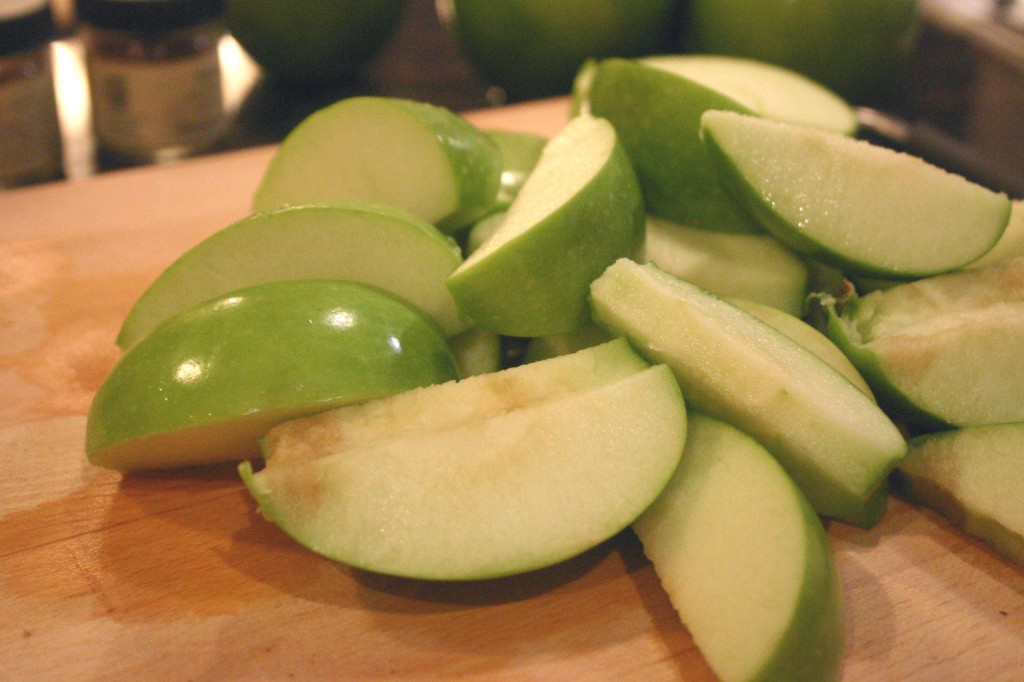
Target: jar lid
{"type": "Point", "coordinates": [24, 24]}
{"type": "Point", "coordinates": [148, 15]}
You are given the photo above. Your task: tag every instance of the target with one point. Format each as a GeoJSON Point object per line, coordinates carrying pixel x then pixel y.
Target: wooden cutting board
{"type": "Point", "coordinates": [174, 576]}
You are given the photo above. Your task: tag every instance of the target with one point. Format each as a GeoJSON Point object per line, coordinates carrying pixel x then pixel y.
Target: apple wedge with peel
{"type": "Point", "coordinates": [577, 212]}
{"type": "Point", "coordinates": [377, 245]}
{"type": "Point", "coordinates": [422, 158]}
{"type": "Point", "coordinates": [520, 153]}
{"type": "Point", "coordinates": [206, 384]}
{"type": "Point", "coordinates": [440, 485]}
{"type": "Point", "coordinates": [973, 477]}
{"type": "Point", "coordinates": [655, 104]}
{"type": "Point", "coordinates": [745, 561]}
{"type": "Point", "coordinates": [754, 266]}
{"type": "Point", "coordinates": [865, 209]}
{"type": "Point", "coordinates": [834, 440]}
{"type": "Point", "coordinates": [940, 351]}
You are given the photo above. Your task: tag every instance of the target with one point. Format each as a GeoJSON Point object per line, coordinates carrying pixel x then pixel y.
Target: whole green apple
{"type": "Point", "coordinates": [856, 47]}
{"type": "Point", "coordinates": [533, 48]}
{"type": "Point", "coordinates": [312, 42]}
{"type": "Point", "coordinates": [209, 382]}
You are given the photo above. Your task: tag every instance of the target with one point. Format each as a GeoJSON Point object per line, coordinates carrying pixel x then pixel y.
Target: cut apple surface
{"type": "Point", "coordinates": [832, 438]}
{"type": "Point", "coordinates": [944, 350]}
{"type": "Point", "coordinates": [863, 208]}
{"type": "Point", "coordinates": [421, 158]}
{"type": "Point", "coordinates": [578, 211]}
{"type": "Point", "coordinates": [468, 489]}
{"type": "Point", "coordinates": [745, 561]}
{"type": "Point", "coordinates": [385, 247]}
{"type": "Point", "coordinates": [207, 384]}
{"type": "Point", "coordinates": [972, 476]}
{"type": "Point", "coordinates": [655, 105]}
{"type": "Point", "coordinates": [756, 267]}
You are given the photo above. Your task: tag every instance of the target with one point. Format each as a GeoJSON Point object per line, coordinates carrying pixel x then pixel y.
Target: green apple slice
{"type": "Point", "coordinates": [578, 211]}
{"type": "Point", "coordinates": [745, 561]}
{"type": "Point", "coordinates": [501, 493]}
{"type": "Point", "coordinates": [656, 103]}
{"type": "Point", "coordinates": [834, 440]}
{"type": "Point", "coordinates": [972, 476]}
{"type": "Point", "coordinates": [476, 352]}
{"type": "Point", "coordinates": [808, 337]}
{"type": "Point", "coordinates": [866, 209]}
{"type": "Point", "coordinates": [206, 384]}
{"type": "Point", "coordinates": [544, 347]}
{"type": "Point", "coordinates": [421, 158]}
{"type": "Point", "coordinates": [1011, 243]}
{"type": "Point", "coordinates": [941, 351]}
{"type": "Point", "coordinates": [520, 153]}
{"type": "Point", "coordinates": [756, 267]}
{"type": "Point", "coordinates": [473, 399]}
{"type": "Point", "coordinates": [376, 245]}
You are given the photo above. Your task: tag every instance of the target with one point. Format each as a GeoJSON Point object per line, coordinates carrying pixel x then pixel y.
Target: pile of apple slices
{"type": "Point", "coordinates": [655, 258]}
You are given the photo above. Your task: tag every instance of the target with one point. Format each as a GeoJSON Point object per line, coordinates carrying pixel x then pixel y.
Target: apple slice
{"type": "Point", "coordinates": [206, 384]}
{"type": "Point", "coordinates": [1011, 243]}
{"type": "Point", "coordinates": [578, 211]}
{"type": "Point", "coordinates": [655, 104]}
{"type": "Point", "coordinates": [421, 158]}
{"type": "Point", "coordinates": [972, 476]}
{"type": "Point", "coordinates": [834, 440]}
{"type": "Point", "coordinates": [745, 561]}
{"type": "Point", "coordinates": [520, 153]}
{"type": "Point", "coordinates": [941, 351]}
{"type": "Point", "coordinates": [866, 209]}
{"type": "Point", "coordinates": [756, 267]}
{"type": "Point", "coordinates": [808, 337]}
{"type": "Point", "coordinates": [476, 352]}
{"type": "Point", "coordinates": [376, 245]}
{"type": "Point", "coordinates": [478, 495]}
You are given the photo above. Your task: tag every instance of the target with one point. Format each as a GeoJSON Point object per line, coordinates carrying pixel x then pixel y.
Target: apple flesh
{"type": "Point", "coordinates": [655, 105]}
{"type": "Point", "coordinates": [756, 267]}
{"type": "Point", "coordinates": [489, 489]}
{"type": "Point", "coordinates": [972, 476]}
{"type": "Point", "coordinates": [207, 384]}
{"type": "Point", "coordinates": [833, 439]}
{"type": "Point", "coordinates": [865, 209]}
{"type": "Point", "coordinates": [520, 153]}
{"type": "Point", "coordinates": [745, 561]}
{"type": "Point", "coordinates": [421, 158]}
{"type": "Point", "coordinates": [941, 351]}
{"type": "Point", "coordinates": [376, 245]}
{"type": "Point", "coordinates": [578, 211]}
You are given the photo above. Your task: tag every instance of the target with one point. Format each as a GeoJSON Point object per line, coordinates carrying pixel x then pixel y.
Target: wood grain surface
{"type": "Point", "coordinates": [173, 576]}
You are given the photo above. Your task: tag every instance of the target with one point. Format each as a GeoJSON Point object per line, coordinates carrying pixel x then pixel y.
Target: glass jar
{"type": "Point", "coordinates": [154, 76]}
{"type": "Point", "coordinates": [30, 142]}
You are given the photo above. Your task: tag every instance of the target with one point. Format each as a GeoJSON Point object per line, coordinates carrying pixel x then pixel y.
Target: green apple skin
{"type": "Point", "coordinates": [377, 245]}
{"type": "Point", "coordinates": [369, 149]}
{"type": "Point", "coordinates": [533, 48]}
{"type": "Point", "coordinates": [514, 487]}
{"type": "Point", "coordinates": [579, 210]}
{"type": "Point", "coordinates": [941, 351]}
{"type": "Point", "coordinates": [658, 124]}
{"type": "Point", "coordinates": [745, 561]}
{"type": "Point", "coordinates": [855, 47]}
{"type": "Point", "coordinates": [756, 267]}
{"type": "Point", "coordinates": [835, 442]}
{"type": "Point", "coordinates": [655, 104]}
{"type": "Point", "coordinates": [312, 43]}
{"type": "Point", "coordinates": [207, 383]}
{"type": "Point", "coordinates": [835, 199]}
{"type": "Point", "coordinates": [972, 476]}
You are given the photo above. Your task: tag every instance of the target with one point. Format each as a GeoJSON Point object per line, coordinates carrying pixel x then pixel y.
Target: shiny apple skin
{"type": "Point", "coordinates": [207, 383]}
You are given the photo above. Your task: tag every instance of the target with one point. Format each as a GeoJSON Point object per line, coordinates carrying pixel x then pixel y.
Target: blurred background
{"type": "Point", "coordinates": [98, 85]}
